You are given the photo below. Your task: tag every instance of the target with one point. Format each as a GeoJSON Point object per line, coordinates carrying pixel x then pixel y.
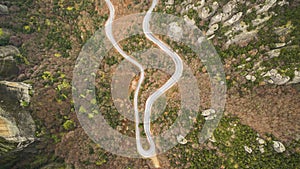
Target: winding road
{"type": "Point", "coordinates": [151, 152]}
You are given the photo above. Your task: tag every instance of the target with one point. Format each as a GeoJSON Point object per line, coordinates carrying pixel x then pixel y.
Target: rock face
{"type": "Point", "coordinates": [239, 23]}
{"type": "Point", "coordinates": [234, 19]}
{"type": "Point", "coordinates": [212, 29]}
{"type": "Point", "coordinates": [267, 6]}
{"type": "Point", "coordinates": [276, 78]}
{"type": "Point", "coordinates": [16, 124]}
{"type": "Point", "coordinates": [3, 9]}
{"type": "Point", "coordinates": [242, 38]}
{"type": "Point", "coordinates": [8, 65]}
{"type": "Point", "coordinates": [16, 91]}
{"type": "Point", "coordinates": [278, 147]}
{"type": "Point", "coordinates": [296, 79]}
{"type": "Point", "coordinates": [17, 128]}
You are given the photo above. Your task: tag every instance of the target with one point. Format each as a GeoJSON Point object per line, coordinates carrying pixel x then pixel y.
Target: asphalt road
{"type": "Point", "coordinates": [152, 98]}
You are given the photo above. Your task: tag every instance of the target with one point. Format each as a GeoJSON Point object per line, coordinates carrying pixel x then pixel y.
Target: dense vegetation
{"type": "Point", "coordinates": [58, 29]}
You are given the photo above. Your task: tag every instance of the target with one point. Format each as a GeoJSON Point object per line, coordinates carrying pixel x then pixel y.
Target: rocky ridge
{"type": "Point", "coordinates": [17, 128]}
{"type": "Point", "coordinates": [238, 22]}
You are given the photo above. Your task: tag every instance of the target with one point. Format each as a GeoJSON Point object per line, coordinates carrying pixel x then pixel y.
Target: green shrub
{"type": "Point", "coordinates": [69, 125]}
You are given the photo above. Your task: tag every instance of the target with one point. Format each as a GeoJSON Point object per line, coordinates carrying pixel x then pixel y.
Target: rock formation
{"type": "Point", "coordinates": [17, 128]}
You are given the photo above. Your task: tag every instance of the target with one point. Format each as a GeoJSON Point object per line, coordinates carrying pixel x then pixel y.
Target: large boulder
{"type": "Point", "coordinates": [8, 64]}
{"type": "Point", "coordinates": [17, 128]}
{"type": "Point", "coordinates": [15, 91]}
{"type": "Point", "coordinates": [3, 9]}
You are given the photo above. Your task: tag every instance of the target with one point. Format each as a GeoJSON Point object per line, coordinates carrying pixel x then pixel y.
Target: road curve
{"type": "Point", "coordinates": [109, 34]}
{"type": "Point", "coordinates": [173, 80]}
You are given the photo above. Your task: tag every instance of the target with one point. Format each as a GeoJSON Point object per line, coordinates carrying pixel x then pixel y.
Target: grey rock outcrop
{"type": "Point", "coordinates": [238, 22]}
{"type": "Point", "coordinates": [241, 26]}
{"type": "Point", "coordinates": [3, 9]}
{"type": "Point", "coordinates": [296, 78]}
{"type": "Point", "coordinates": [16, 123]}
{"type": "Point", "coordinates": [216, 19]}
{"type": "Point", "coordinates": [17, 91]}
{"type": "Point", "coordinates": [241, 38]}
{"type": "Point", "coordinates": [205, 12]}
{"type": "Point", "coordinates": [283, 2]}
{"type": "Point", "coordinates": [274, 53]}
{"type": "Point", "coordinates": [228, 8]}
{"type": "Point", "coordinates": [234, 19]}
{"type": "Point", "coordinates": [266, 7]}
{"type": "Point", "coordinates": [260, 20]}
{"type": "Point", "coordinates": [212, 29]}
{"type": "Point", "coordinates": [276, 78]}
{"type": "Point", "coordinates": [8, 65]}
